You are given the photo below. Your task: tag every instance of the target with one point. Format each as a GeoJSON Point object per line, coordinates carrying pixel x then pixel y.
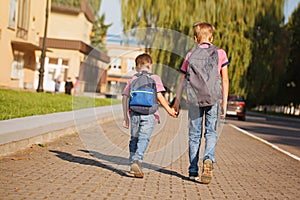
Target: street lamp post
{"type": "Point", "coordinates": [42, 67]}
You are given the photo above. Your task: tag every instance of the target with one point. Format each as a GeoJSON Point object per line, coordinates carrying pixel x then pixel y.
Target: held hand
{"type": "Point", "coordinates": [176, 106]}
{"type": "Point", "coordinates": [222, 115]}
{"type": "Point", "coordinates": [126, 124]}
{"type": "Point", "coordinates": [223, 111]}
{"type": "Point", "coordinates": [173, 113]}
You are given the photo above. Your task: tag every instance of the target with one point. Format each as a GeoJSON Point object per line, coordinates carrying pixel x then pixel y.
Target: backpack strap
{"type": "Point", "coordinates": [143, 73]}
{"type": "Point", "coordinates": [209, 45]}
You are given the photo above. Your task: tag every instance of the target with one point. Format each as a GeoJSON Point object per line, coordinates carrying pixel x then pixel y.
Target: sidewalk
{"type": "Point", "coordinates": [21, 133]}
{"type": "Point", "coordinates": [92, 164]}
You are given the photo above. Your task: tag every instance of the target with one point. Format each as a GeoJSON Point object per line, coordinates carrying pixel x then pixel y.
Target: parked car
{"type": "Point", "coordinates": [236, 106]}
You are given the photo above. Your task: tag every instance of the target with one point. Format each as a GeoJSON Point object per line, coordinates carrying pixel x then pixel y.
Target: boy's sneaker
{"type": "Point", "coordinates": [194, 176]}
{"type": "Point", "coordinates": [137, 169]}
{"type": "Point", "coordinates": [131, 171]}
{"type": "Point", "coordinates": [206, 175]}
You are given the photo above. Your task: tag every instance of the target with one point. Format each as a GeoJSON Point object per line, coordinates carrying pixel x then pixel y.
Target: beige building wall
{"type": "Point", "coordinates": [70, 27]}
{"type": "Point", "coordinates": [37, 20]}
{"type": "Point", "coordinates": [68, 44]}
{"type": "Point", "coordinates": [121, 66]}
{"type": "Point", "coordinates": [8, 34]}
{"type": "Point", "coordinates": [66, 26]}
{"type": "Point", "coordinates": [123, 57]}
{"type": "Point", "coordinates": [5, 47]}
{"type": "Point", "coordinates": [68, 39]}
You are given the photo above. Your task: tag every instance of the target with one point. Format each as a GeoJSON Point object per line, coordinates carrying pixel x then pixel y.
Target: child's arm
{"type": "Point", "coordinates": [125, 105]}
{"type": "Point", "coordinates": [165, 104]}
{"type": "Point", "coordinates": [225, 89]}
{"type": "Point", "coordinates": [179, 93]}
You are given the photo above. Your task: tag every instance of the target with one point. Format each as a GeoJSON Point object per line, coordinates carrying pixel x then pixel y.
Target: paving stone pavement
{"type": "Point", "coordinates": [93, 164]}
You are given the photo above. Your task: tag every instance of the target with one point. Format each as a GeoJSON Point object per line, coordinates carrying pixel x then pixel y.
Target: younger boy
{"type": "Point", "coordinates": [142, 125]}
{"type": "Point", "coordinates": [203, 35]}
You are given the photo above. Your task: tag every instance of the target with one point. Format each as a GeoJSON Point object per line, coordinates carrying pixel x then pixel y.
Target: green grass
{"type": "Point", "coordinates": [15, 104]}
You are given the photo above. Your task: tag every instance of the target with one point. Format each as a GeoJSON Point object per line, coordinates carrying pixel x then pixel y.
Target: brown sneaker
{"type": "Point", "coordinates": [137, 169]}
{"type": "Point", "coordinates": [206, 175]}
{"type": "Point", "coordinates": [131, 172]}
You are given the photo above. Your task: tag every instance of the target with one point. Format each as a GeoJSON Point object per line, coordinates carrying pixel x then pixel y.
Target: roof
{"type": "Point", "coordinates": [76, 45]}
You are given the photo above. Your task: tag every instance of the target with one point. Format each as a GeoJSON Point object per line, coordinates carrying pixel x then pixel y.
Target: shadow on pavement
{"type": "Point", "coordinates": [86, 161]}
{"type": "Point", "coordinates": [112, 159]}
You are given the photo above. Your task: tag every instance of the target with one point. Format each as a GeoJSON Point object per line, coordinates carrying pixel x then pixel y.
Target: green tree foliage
{"type": "Point", "coordinates": [293, 70]}
{"type": "Point", "coordinates": [94, 4]}
{"type": "Point", "coordinates": [71, 3]}
{"type": "Point", "coordinates": [99, 32]}
{"type": "Point", "coordinates": [248, 30]}
{"type": "Point", "coordinates": [268, 62]}
{"type": "Point", "coordinates": [289, 90]}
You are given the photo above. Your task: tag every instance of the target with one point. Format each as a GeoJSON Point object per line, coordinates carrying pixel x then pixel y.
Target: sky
{"type": "Point", "coordinates": [289, 7]}
{"type": "Point", "coordinates": [112, 10]}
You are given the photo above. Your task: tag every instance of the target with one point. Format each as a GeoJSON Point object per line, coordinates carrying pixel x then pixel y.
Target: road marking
{"type": "Point", "coordinates": [256, 118]}
{"type": "Point", "coordinates": [266, 142]}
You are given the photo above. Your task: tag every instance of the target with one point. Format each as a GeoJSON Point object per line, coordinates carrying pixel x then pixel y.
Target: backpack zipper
{"type": "Point", "coordinates": [140, 91]}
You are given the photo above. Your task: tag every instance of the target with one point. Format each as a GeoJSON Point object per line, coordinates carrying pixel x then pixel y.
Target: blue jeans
{"type": "Point", "coordinates": [141, 130]}
{"type": "Point", "coordinates": [196, 116]}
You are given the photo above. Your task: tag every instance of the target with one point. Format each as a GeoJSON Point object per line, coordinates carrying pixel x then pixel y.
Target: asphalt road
{"type": "Point", "coordinates": [282, 132]}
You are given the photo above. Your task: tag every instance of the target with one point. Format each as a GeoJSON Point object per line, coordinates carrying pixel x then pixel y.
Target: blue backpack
{"type": "Point", "coordinates": [143, 94]}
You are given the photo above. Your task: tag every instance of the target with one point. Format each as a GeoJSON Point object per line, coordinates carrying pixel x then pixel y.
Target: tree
{"type": "Point", "coordinates": [267, 61]}
{"type": "Point", "coordinates": [99, 32]}
{"type": "Point", "coordinates": [94, 4]}
{"type": "Point", "coordinates": [293, 70]}
{"type": "Point", "coordinates": [237, 24]}
{"type": "Point", "coordinates": [289, 90]}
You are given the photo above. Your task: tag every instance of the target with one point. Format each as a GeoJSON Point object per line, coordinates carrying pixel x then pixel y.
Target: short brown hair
{"type": "Point", "coordinates": [143, 60]}
{"type": "Point", "coordinates": [203, 31]}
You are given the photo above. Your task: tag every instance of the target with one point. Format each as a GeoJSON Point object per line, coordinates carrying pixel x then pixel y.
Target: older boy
{"type": "Point", "coordinates": [203, 35]}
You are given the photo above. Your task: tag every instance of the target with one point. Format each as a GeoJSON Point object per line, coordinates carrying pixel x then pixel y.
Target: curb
{"type": "Point", "coordinates": [21, 133]}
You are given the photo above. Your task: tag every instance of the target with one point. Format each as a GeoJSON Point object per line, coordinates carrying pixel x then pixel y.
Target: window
{"type": "Point", "coordinates": [116, 64]}
{"type": "Point", "coordinates": [17, 65]}
{"type": "Point", "coordinates": [12, 14]}
{"type": "Point", "coordinates": [130, 65]}
{"type": "Point", "coordinates": [23, 19]}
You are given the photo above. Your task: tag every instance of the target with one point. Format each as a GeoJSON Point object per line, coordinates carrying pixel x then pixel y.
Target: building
{"type": "Point", "coordinates": [122, 63]}
{"type": "Point", "coordinates": [68, 49]}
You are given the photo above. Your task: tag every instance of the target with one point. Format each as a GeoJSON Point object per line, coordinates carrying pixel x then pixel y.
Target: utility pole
{"type": "Point", "coordinates": [42, 67]}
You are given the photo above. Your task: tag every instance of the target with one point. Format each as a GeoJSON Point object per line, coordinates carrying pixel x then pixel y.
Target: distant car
{"type": "Point", "coordinates": [236, 106]}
